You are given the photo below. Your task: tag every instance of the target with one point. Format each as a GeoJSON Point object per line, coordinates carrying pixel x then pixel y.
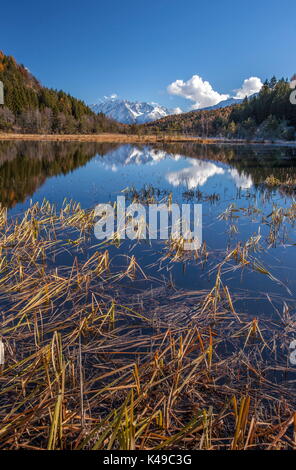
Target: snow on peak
{"type": "Point", "coordinates": [131, 112]}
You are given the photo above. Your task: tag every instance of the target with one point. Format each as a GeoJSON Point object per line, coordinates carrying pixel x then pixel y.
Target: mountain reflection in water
{"type": "Point", "coordinates": [26, 166]}
{"type": "Point", "coordinates": [214, 175]}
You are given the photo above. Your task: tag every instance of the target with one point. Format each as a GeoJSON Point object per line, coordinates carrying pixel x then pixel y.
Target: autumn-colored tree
{"type": "Point", "coordinates": [39, 109]}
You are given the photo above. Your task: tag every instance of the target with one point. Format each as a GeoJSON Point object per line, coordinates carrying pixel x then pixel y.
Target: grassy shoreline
{"type": "Point", "coordinates": [137, 139]}
{"type": "Point", "coordinates": [110, 138]}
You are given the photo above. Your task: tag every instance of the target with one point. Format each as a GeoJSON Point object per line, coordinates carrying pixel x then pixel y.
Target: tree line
{"type": "Point", "coordinates": [266, 115]}
{"type": "Point", "coordinates": [29, 107]}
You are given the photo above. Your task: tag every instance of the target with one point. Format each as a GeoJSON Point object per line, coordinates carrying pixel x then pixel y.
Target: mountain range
{"type": "Point", "coordinates": [132, 112]}
{"type": "Point", "coordinates": [195, 172]}
{"type": "Point", "coordinates": [223, 104]}
{"type": "Point", "coordinates": [32, 108]}
{"type": "Point", "coordinates": [135, 112]}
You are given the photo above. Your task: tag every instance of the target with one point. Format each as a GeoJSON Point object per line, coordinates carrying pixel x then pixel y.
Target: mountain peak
{"type": "Point", "coordinates": [228, 102]}
{"type": "Point", "coordinates": [131, 112]}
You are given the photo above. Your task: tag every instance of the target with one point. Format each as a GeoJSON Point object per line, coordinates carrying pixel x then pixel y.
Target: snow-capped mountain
{"type": "Point", "coordinates": [131, 155]}
{"type": "Point", "coordinates": [194, 173]}
{"type": "Point", "coordinates": [229, 102]}
{"type": "Point", "coordinates": [129, 112]}
{"type": "Point", "coordinates": [223, 104]}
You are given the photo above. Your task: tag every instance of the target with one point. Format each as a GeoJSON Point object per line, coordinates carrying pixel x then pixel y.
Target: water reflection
{"type": "Point", "coordinates": [242, 180]}
{"type": "Point", "coordinates": [133, 155]}
{"type": "Point", "coordinates": [91, 173]}
{"type": "Point", "coordinates": [195, 175]}
{"type": "Point", "coordinates": [27, 166]}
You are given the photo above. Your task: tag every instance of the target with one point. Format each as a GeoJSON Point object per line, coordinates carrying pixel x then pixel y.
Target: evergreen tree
{"type": "Point", "coordinates": [30, 107]}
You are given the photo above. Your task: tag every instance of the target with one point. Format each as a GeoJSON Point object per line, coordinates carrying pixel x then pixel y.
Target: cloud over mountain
{"type": "Point", "coordinates": [249, 87]}
{"type": "Point", "coordinates": [203, 95]}
{"type": "Point", "coordinates": [197, 90]}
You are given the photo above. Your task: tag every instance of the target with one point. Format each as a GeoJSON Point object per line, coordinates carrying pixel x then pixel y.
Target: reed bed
{"type": "Point", "coordinates": [90, 361]}
{"type": "Point", "coordinates": [107, 137]}
{"type": "Point", "coordinates": [288, 182]}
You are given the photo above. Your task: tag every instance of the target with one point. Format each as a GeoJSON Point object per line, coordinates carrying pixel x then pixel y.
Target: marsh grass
{"type": "Point", "coordinates": [199, 196]}
{"type": "Point", "coordinates": [272, 181]}
{"type": "Point", "coordinates": [89, 366]}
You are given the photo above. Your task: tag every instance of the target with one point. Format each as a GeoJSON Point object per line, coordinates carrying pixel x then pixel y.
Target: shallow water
{"type": "Point", "coordinates": [93, 173]}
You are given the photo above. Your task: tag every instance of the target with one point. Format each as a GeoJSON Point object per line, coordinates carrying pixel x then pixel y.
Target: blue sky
{"type": "Point", "coordinates": [137, 48]}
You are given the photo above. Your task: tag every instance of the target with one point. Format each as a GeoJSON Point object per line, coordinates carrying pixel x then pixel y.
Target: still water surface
{"type": "Point", "coordinates": [215, 176]}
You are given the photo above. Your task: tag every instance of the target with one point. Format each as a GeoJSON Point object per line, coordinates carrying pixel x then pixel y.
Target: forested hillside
{"type": "Point", "coordinates": [32, 108]}
{"type": "Point", "coordinates": [29, 107]}
{"type": "Point", "coordinates": [267, 115]}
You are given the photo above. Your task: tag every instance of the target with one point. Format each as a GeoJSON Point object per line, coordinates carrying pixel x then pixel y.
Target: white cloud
{"type": "Point", "coordinates": [241, 179]}
{"type": "Point", "coordinates": [114, 96]}
{"type": "Point", "coordinates": [195, 175]}
{"type": "Point", "coordinates": [249, 87]}
{"type": "Point", "coordinates": [196, 90]}
{"type": "Point", "coordinates": [177, 111]}
{"type": "Point", "coordinates": [199, 171]}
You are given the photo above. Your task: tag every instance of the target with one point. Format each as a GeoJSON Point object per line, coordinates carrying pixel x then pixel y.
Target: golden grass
{"type": "Point", "coordinates": [106, 138]}
{"type": "Point", "coordinates": [89, 367]}
{"type": "Point", "coordinates": [272, 181]}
